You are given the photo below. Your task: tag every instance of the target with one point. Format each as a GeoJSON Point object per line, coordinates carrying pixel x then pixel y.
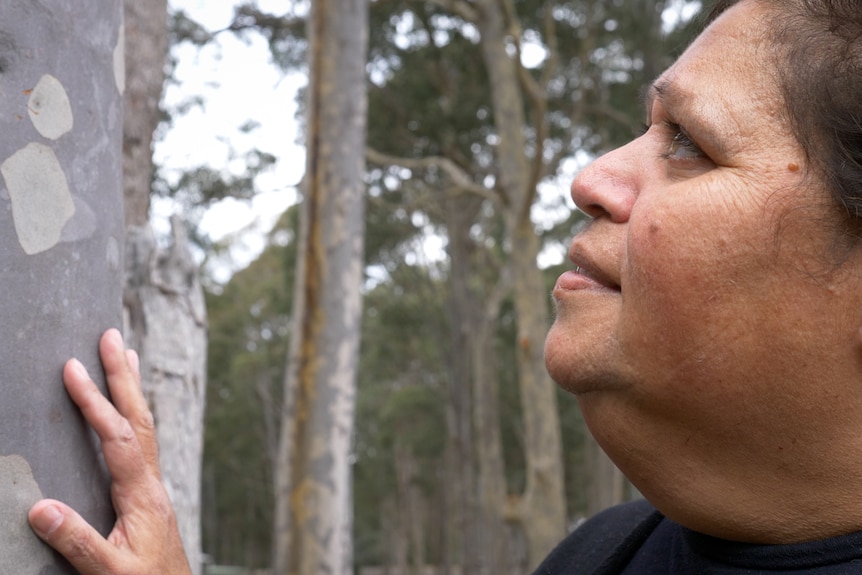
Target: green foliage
{"type": "Point", "coordinates": [203, 186]}
{"type": "Point", "coordinates": [389, 229]}
{"type": "Point", "coordinates": [401, 399]}
{"type": "Point", "coordinates": [247, 350]}
{"type": "Point", "coordinates": [182, 28]}
{"type": "Point", "coordinates": [285, 33]}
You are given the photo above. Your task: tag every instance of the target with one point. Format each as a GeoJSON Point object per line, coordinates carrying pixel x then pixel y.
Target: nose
{"type": "Point", "coordinates": [609, 186]}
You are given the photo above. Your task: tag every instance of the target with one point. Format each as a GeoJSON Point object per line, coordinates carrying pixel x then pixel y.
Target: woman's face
{"type": "Point", "coordinates": [707, 324]}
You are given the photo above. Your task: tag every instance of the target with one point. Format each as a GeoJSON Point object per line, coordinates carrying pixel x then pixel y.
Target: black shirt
{"type": "Point", "coordinates": [634, 539]}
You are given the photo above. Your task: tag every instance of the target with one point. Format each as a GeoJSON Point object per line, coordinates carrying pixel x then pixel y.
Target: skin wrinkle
{"type": "Point", "coordinates": [668, 93]}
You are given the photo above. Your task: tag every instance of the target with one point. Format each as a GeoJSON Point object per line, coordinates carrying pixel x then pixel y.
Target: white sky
{"type": "Point", "coordinates": [238, 85]}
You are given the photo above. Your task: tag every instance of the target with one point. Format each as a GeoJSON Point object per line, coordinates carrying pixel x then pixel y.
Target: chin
{"type": "Point", "coordinates": [578, 362]}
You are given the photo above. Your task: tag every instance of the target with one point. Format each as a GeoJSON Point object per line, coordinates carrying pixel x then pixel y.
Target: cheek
{"type": "Point", "coordinates": [686, 297]}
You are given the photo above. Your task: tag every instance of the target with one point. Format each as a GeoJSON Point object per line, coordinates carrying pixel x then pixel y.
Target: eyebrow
{"type": "Point", "coordinates": [661, 89]}
{"type": "Point", "coordinates": [677, 101]}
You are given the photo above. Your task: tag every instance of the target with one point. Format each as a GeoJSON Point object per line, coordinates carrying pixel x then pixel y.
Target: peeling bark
{"type": "Point", "coordinates": [166, 323]}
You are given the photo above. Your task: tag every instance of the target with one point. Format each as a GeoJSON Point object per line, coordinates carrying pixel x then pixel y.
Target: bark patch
{"type": "Point", "coordinates": [120, 61]}
{"type": "Point", "coordinates": [21, 552]}
{"type": "Point", "coordinates": [49, 108]}
{"type": "Point", "coordinates": [41, 200]}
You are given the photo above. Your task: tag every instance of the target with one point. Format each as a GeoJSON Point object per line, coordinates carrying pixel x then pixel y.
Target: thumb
{"type": "Point", "coordinates": [68, 533]}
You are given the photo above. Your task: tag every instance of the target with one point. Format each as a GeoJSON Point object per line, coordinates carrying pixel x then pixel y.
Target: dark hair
{"type": "Point", "coordinates": [819, 58]}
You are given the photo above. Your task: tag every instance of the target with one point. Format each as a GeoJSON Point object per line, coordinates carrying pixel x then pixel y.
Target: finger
{"type": "Point", "coordinates": [68, 533]}
{"type": "Point", "coordinates": [123, 453]}
{"type": "Point", "coordinates": [124, 382]}
{"type": "Point", "coordinates": [134, 364]}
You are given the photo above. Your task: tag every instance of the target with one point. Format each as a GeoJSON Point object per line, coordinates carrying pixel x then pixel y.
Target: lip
{"type": "Point", "coordinates": [586, 276]}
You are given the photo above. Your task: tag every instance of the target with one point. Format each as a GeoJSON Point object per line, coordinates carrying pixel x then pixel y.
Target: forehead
{"type": "Point", "coordinates": [726, 77]}
{"type": "Point", "coordinates": [735, 42]}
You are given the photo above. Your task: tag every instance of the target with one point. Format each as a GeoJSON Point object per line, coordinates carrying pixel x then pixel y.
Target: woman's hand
{"type": "Point", "coordinates": [145, 539]}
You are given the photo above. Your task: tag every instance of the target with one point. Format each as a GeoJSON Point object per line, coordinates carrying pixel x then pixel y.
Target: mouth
{"type": "Point", "coordinates": [586, 276]}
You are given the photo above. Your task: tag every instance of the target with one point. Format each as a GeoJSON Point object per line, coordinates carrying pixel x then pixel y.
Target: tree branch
{"type": "Point", "coordinates": [458, 176]}
{"type": "Point", "coordinates": [456, 7]}
{"type": "Point", "coordinates": [553, 60]}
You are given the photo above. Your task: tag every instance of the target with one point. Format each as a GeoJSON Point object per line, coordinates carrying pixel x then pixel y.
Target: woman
{"type": "Point", "coordinates": [711, 327]}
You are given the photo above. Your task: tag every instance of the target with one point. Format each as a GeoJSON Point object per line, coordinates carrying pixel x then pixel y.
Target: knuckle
{"type": "Point", "coordinates": [146, 422]}
{"type": "Point", "coordinates": [126, 434]}
{"type": "Point", "coordinates": [161, 505]}
{"type": "Point", "coordinates": [77, 545]}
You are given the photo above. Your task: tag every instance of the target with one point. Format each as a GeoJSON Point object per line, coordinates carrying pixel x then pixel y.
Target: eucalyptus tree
{"type": "Point", "coordinates": [313, 498]}
{"type": "Point", "coordinates": [60, 255]}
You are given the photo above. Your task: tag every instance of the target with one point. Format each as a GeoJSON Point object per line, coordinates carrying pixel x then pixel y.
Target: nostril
{"type": "Point", "coordinates": [595, 211]}
{"type": "Point", "coordinates": [600, 193]}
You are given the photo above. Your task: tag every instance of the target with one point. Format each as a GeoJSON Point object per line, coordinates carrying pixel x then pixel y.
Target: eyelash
{"type": "Point", "coordinates": [679, 140]}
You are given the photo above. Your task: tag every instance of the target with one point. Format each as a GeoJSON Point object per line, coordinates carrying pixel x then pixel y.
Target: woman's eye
{"type": "Point", "coordinates": [681, 146]}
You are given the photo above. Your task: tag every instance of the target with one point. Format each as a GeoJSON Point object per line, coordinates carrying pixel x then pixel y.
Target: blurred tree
{"type": "Point", "coordinates": [164, 304]}
{"type": "Point", "coordinates": [249, 333]}
{"type": "Point", "coordinates": [313, 499]}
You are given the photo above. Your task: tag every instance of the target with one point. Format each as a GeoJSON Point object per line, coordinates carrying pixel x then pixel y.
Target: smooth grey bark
{"type": "Point", "coordinates": [313, 515]}
{"type": "Point", "coordinates": [164, 301]}
{"type": "Point", "coordinates": [61, 237]}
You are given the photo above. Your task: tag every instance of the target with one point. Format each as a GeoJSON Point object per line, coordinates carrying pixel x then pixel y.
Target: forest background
{"type": "Point", "coordinates": [450, 444]}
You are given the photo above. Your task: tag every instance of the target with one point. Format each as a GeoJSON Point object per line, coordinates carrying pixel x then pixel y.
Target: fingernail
{"type": "Point", "coordinates": [115, 337]}
{"type": "Point", "coordinates": [47, 521]}
{"type": "Point", "coordinates": [79, 369]}
{"type": "Point", "coordinates": [134, 360]}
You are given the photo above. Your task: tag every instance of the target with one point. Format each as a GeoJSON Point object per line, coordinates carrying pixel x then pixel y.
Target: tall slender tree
{"type": "Point", "coordinates": [313, 471]}
{"type": "Point", "coordinates": [60, 254]}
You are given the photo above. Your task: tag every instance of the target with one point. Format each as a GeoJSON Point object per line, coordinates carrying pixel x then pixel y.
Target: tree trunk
{"type": "Point", "coordinates": [543, 506]}
{"type": "Point", "coordinates": [489, 446]}
{"type": "Point", "coordinates": [146, 33]}
{"type": "Point", "coordinates": [166, 322]}
{"type": "Point", "coordinates": [165, 314]}
{"type": "Point", "coordinates": [60, 255]}
{"type": "Point", "coordinates": [313, 527]}
{"type": "Point", "coordinates": [404, 472]}
{"type": "Point", "coordinates": [463, 514]}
